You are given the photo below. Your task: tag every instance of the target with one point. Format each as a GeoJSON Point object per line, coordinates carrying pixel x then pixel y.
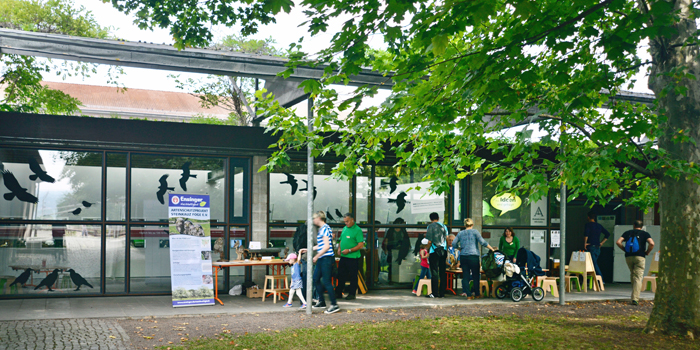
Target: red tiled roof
{"type": "Point", "coordinates": [107, 98]}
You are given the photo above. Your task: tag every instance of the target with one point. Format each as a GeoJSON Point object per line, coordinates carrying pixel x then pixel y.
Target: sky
{"type": "Point", "coordinates": [284, 32]}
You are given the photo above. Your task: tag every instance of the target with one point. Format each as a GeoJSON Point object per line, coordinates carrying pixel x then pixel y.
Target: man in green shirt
{"type": "Point", "coordinates": [350, 242]}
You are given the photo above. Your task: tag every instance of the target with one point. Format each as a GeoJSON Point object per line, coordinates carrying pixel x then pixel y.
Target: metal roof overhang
{"type": "Point", "coordinates": [164, 57]}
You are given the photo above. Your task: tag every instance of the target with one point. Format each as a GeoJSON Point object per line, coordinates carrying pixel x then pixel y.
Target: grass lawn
{"type": "Point", "coordinates": [495, 332]}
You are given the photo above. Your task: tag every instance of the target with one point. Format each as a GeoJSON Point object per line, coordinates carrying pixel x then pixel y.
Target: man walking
{"type": "Point", "coordinates": [350, 242]}
{"type": "Point", "coordinates": [592, 240]}
{"type": "Point", "coordinates": [324, 260]}
{"type": "Point", "coordinates": [437, 237]}
{"type": "Point", "coordinates": [637, 245]}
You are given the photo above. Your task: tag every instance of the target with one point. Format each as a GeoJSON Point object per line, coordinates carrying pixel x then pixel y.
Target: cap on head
{"type": "Point", "coordinates": [424, 241]}
{"type": "Point", "coordinates": [291, 257]}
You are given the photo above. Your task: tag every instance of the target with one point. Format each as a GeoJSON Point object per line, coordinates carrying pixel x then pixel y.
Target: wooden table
{"type": "Point", "coordinates": [279, 267]}
{"type": "Point", "coordinates": [38, 268]}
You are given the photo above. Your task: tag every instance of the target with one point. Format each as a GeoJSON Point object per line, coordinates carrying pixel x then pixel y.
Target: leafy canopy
{"type": "Point", "coordinates": [462, 71]}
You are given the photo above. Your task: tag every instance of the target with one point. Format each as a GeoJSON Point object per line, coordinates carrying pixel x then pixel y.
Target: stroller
{"type": "Point", "coordinates": [524, 273]}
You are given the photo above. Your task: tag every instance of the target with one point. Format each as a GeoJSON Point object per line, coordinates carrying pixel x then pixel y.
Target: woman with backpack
{"type": "Point", "coordinates": [637, 244]}
{"type": "Point", "coordinates": [468, 241]}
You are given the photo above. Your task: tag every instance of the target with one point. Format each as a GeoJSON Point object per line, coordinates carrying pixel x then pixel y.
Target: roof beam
{"type": "Point", "coordinates": [164, 57]}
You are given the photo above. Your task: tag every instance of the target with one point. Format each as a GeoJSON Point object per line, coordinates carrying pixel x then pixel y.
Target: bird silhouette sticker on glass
{"type": "Point", "coordinates": [39, 173]}
{"type": "Point", "coordinates": [77, 211]}
{"type": "Point", "coordinates": [329, 216]}
{"type": "Point", "coordinates": [400, 201]}
{"type": "Point", "coordinates": [163, 188]}
{"type": "Point", "coordinates": [15, 189]}
{"type": "Point", "coordinates": [49, 281]}
{"type": "Point", "coordinates": [185, 175]}
{"type": "Point", "coordinates": [307, 188]}
{"type": "Point", "coordinates": [338, 213]}
{"type": "Point", "coordinates": [87, 204]}
{"type": "Point", "coordinates": [392, 184]}
{"type": "Point", "coordinates": [23, 278]}
{"type": "Point", "coordinates": [292, 182]}
{"type": "Point", "coordinates": [78, 280]}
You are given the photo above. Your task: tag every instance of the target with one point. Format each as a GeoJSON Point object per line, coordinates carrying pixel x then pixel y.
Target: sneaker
{"type": "Point", "coordinates": [303, 306]}
{"type": "Point", "coordinates": [464, 294]}
{"type": "Point", "coordinates": [350, 297]}
{"type": "Point", "coordinates": [635, 303]}
{"type": "Point", "coordinates": [331, 310]}
{"type": "Point", "coordinates": [414, 291]}
{"type": "Point", "coordinates": [287, 305]}
{"type": "Point", "coordinates": [430, 296]}
{"type": "Point", "coordinates": [319, 305]}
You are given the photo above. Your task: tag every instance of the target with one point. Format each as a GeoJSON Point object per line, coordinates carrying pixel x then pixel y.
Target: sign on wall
{"type": "Point", "coordinates": [538, 212]}
{"type": "Point", "coordinates": [555, 239]}
{"type": "Point", "coordinates": [190, 250]}
{"type": "Point", "coordinates": [537, 236]}
{"type": "Point", "coordinates": [428, 206]}
{"type": "Point", "coordinates": [506, 202]}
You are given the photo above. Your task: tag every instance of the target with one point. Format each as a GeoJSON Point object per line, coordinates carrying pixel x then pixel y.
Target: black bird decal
{"type": "Point", "coordinates": [15, 189]}
{"type": "Point", "coordinates": [49, 280]}
{"type": "Point", "coordinates": [23, 278]}
{"type": "Point", "coordinates": [78, 280]}
{"type": "Point", "coordinates": [163, 188]}
{"type": "Point", "coordinates": [340, 215]}
{"type": "Point", "coordinates": [185, 175]}
{"type": "Point", "coordinates": [38, 171]}
{"type": "Point", "coordinates": [307, 188]}
{"type": "Point", "coordinates": [87, 204]}
{"type": "Point", "coordinates": [76, 211]}
{"type": "Point", "coordinates": [392, 184]}
{"type": "Point", "coordinates": [292, 182]}
{"type": "Point", "coordinates": [400, 201]}
{"type": "Point", "coordinates": [329, 216]}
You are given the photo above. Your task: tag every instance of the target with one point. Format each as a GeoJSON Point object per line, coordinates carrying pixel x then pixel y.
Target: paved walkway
{"type": "Point", "coordinates": [91, 323]}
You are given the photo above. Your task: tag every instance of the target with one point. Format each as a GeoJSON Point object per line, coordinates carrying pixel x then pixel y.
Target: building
{"type": "Point", "coordinates": [119, 244]}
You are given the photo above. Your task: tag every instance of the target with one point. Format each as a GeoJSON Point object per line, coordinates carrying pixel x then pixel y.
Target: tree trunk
{"type": "Point", "coordinates": [677, 301]}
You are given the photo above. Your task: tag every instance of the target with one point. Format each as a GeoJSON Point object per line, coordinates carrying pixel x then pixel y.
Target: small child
{"type": "Point", "coordinates": [424, 266]}
{"type": "Point", "coordinates": [297, 283]}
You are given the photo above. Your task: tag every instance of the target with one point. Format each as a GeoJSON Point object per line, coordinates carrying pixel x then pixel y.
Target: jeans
{"type": "Point", "coordinates": [636, 265]}
{"type": "Point", "coordinates": [347, 272]}
{"type": "Point", "coordinates": [471, 270]}
{"type": "Point", "coordinates": [322, 278]}
{"type": "Point", "coordinates": [595, 253]}
{"type": "Point", "coordinates": [305, 280]}
{"type": "Point", "coordinates": [438, 273]}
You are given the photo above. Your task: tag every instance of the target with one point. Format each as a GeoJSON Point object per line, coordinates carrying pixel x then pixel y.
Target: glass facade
{"type": "Point", "coordinates": [91, 222]}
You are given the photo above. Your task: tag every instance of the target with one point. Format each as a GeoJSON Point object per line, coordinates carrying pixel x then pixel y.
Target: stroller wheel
{"type": "Point", "coordinates": [501, 292]}
{"type": "Point", "coordinates": [516, 294]}
{"type": "Point", "coordinates": [538, 293]}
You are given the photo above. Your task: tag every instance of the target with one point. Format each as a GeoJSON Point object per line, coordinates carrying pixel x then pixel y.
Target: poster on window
{"type": "Point", "coordinates": [538, 212]}
{"type": "Point", "coordinates": [554, 239]}
{"type": "Point", "coordinates": [190, 250]}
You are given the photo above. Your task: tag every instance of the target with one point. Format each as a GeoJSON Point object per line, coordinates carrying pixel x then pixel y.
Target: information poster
{"type": "Point", "coordinates": [428, 206]}
{"type": "Point", "coordinates": [538, 212]}
{"type": "Point", "coordinates": [190, 250]}
{"type": "Point", "coordinates": [555, 238]}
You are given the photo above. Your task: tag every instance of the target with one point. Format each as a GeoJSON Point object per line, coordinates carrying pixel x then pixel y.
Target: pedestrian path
{"type": "Point", "coordinates": [161, 306]}
{"type": "Point", "coordinates": [68, 334]}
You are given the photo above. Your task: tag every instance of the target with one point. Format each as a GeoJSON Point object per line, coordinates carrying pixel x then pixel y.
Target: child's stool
{"type": "Point", "coordinates": [424, 282]}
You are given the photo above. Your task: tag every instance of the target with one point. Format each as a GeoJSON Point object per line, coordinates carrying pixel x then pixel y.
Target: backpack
{"type": "Point", "coordinates": [492, 264]}
{"type": "Point", "coordinates": [632, 245]}
{"type": "Point", "coordinates": [299, 240]}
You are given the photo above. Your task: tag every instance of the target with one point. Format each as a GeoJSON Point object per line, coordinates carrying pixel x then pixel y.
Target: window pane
{"type": "Point", "coordinates": [116, 186]}
{"type": "Point", "coordinates": [206, 176]}
{"type": "Point", "coordinates": [238, 188]}
{"type": "Point", "coordinates": [458, 205]}
{"type": "Point", "coordinates": [393, 198]}
{"type": "Point", "coordinates": [237, 238]}
{"type": "Point", "coordinates": [115, 259]}
{"type": "Point", "coordinates": [150, 259]}
{"type": "Point", "coordinates": [51, 185]}
{"type": "Point", "coordinates": [288, 194]}
{"type": "Point", "coordinates": [53, 253]}
{"type": "Point", "coordinates": [504, 209]}
{"type": "Point", "coordinates": [364, 196]}
{"type": "Point", "coordinates": [397, 262]}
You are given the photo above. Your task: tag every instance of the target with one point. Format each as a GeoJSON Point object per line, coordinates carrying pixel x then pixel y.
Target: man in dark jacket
{"type": "Point", "coordinates": [437, 235]}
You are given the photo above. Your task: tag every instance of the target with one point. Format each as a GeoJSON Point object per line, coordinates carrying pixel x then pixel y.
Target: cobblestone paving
{"type": "Point", "coordinates": [68, 334]}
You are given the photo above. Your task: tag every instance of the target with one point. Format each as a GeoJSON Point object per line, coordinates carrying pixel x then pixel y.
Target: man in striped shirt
{"type": "Point", "coordinates": [324, 260]}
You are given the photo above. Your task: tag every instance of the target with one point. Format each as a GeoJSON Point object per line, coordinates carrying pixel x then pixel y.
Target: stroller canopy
{"type": "Point", "coordinates": [527, 258]}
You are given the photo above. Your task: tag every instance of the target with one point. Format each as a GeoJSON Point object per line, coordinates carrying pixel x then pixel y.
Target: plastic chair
{"type": "Point", "coordinates": [421, 283]}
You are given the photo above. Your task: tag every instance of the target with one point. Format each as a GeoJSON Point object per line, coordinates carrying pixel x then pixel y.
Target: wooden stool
{"type": "Point", "coordinates": [569, 280]}
{"type": "Point", "coordinates": [540, 279]}
{"type": "Point", "coordinates": [276, 292]}
{"type": "Point", "coordinates": [648, 281]}
{"type": "Point", "coordinates": [598, 284]}
{"type": "Point", "coordinates": [548, 283]}
{"type": "Point", "coordinates": [484, 288]}
{"type": "Point", "coordinates": [424, 282]}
